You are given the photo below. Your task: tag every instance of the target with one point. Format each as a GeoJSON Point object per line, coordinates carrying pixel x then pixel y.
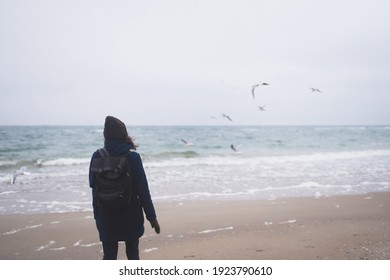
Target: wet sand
{"type": "Point", "coordinates": [338, 228]}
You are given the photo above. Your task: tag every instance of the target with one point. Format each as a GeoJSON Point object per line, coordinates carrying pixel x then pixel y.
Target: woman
{"type": "Point", "coordinates": [127, 223]}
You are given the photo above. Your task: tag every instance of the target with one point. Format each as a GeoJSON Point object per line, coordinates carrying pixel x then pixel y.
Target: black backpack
{"type": "Point", "coordinates": [112, 180]}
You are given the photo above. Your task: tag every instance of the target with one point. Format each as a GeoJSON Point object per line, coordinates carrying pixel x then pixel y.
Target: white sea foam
{"type": "Point", "coordinates": [66, 161]}
{"type": "Point", "coordinates": [288, 222]}
{"type": "Point", "coordinates": [90, 244]}
{"type": "Point", "coordinates": [77, 243]}
{"type": "Point", "coordinates": [215, 230]}
{"type": "Point", "coordinates": [8, 192]}
{"type": "Point", "coordinates": [58, 249]}
{"type": "Point", "coordinates": [20, 229]}
{"type": "Point", "coordinates": [46, 246]}
{"type": "Point", "coordinates": [150, 250]}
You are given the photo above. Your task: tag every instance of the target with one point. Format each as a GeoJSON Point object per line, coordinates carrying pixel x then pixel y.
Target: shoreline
{"type": "Point", "coordinates": [350, 227]}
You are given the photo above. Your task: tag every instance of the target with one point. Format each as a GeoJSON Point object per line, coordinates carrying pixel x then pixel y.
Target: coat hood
{"type": "Point", "coordinates": [117, 148]}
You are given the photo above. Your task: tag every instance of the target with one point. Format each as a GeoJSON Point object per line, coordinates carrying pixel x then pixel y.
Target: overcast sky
{"type": "Point", "coordinates": [176, 62]}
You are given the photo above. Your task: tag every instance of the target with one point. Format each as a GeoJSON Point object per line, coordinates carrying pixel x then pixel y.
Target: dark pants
{"type": "Point", "coordinates": [110, 250]}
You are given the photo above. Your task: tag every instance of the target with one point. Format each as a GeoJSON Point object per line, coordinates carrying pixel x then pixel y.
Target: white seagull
{"type": "Point", "coordinates": [186, 143]}
{"type": "Point", "coordinates": [315, 90]}
{"type": "Point", "coordinates": [255, 86]}
{"type": "Point", "coordinates": [235, 149]}
{"type": "Point", "coordinates": [16, 174]}
{"type": "Point", "coordinates": [226, 116]}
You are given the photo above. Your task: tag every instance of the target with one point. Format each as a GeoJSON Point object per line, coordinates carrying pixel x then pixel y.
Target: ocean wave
{"type": "Point", "coordinates": [7, 163]}
{"type": "Point", "coordinates": [344, 155]}
{"type": "Point", "coordinates": [84, 161]}
{"type": "Point", "coordinates": [248, 160]}
{"type": "Point", "coordinates": [65, 162]}
{"type": "Point", "coordinates": [170, 155]}
{"type": "Point", "coordinates": [8, 192]}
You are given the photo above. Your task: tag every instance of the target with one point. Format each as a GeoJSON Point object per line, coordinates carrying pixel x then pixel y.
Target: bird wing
{"type": "Point", "coordinates": [226, 116]}
{"type": "Point", "coordinates": [13, 178]}
{"type": "Point", "coordinates": [253, 90]}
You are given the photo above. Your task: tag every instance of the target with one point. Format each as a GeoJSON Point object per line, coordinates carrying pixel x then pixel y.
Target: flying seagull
{"type": "Point", "coordinates": [235, 149]}
{"type": "Point", "coordinates": [16, 174]}
{"type": "Point", "coordinates": [262, 108]}
{"type": "Point", "coordinates": [315, 90]}
{"type": "Point", "coordinates": [226, 116]}
{"type": "Point", "coordinates": [255, 86]}
{"type": "Point", "coordinates": [186, 143]}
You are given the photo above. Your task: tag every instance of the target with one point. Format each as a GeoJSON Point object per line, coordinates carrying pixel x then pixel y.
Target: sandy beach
{"type": "Point", "coordinates": [338, 227]}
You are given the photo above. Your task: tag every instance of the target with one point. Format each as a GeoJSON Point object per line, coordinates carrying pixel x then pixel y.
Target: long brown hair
{"type": "Point", "coordinates": [130, 141]}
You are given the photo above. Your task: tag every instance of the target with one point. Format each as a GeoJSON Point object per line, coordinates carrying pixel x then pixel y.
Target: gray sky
{"type": "Point", "coordinates": [174, 62]}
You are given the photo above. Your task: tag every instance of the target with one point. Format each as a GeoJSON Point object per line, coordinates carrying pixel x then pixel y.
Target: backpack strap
{"type": "Point", "coordinates": [103, 152]}
{"type": "Point", "coordinates": [127, 154]}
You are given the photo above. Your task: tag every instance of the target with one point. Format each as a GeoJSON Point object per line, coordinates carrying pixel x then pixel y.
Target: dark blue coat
{"type": "Point", "coordinates": [127, 223]}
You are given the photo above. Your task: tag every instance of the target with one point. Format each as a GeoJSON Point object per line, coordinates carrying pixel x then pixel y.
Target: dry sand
{"type": "Point", "coordinates": [339, 227]}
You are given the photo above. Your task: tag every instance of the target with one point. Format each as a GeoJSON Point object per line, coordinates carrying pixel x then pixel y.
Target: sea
{"type": "Point", "coordinates": [268, 162]}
